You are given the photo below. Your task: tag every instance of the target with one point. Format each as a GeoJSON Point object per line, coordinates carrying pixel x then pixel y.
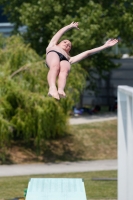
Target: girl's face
{"type": "Point", "coordinates": [65, 45]}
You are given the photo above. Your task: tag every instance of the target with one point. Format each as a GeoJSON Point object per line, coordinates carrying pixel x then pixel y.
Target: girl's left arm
{"type": "Point", "coordinates": [85, 54]}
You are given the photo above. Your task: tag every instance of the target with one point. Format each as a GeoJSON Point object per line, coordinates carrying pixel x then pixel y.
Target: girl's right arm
{"type": "Point", "coordinates": [58, 35]}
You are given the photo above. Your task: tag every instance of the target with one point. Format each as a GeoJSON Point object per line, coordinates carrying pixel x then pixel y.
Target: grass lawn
{"type": "Point", "coordinates": [11, 187]}
{"type": "Point", "coordinates": [94, 141]}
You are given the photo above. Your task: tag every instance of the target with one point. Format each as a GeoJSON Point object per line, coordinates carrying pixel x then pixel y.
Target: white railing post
{"type": "Point", "coordinates": [125, 143]}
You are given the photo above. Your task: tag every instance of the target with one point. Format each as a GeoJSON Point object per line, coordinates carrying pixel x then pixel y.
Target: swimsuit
{"type": "Point", "coordinates": [61, 56]}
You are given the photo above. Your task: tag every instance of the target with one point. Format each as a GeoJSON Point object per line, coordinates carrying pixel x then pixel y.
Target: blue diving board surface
{"type": "Point", "coordinates": [56, 189]}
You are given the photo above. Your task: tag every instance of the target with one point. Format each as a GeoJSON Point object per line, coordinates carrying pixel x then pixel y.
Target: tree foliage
{"type": "Point", "coordinates": [25, 109]}
{"type": "Point", "coordinates": [23, 87]}
{"type": "Point", "coordinates": [98, 21]}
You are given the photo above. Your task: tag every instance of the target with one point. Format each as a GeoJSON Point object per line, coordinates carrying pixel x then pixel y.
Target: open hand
{"type": "Point", "coordinates": [111, 42]}
{"type": "Point", "coordinates": [75, 25]}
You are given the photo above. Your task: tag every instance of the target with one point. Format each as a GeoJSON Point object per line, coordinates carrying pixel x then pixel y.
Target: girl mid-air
{"type": "Point", "coordinates": [59, 61]}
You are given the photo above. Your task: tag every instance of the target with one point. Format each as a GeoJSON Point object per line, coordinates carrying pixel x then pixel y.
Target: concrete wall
{"type": "Point", "coordinates": [107, 90]}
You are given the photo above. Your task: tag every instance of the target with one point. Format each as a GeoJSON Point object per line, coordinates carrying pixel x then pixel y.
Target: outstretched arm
{"type": "Point", "coordinates": [81, 56]}
{"type": "Point", "coordinates": [58, 35]}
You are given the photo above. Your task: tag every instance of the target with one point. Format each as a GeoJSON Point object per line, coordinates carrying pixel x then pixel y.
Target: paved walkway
{"type": "Point", "coordinates": [92, 118]}
{"type": "Point", "coordinates": [64, 167]}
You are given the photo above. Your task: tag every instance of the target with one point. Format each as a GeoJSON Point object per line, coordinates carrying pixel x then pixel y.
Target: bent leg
{"type": "Point", "coordinates": [62, 77]}
{"type": "Point", "coordinates": [53, 62]}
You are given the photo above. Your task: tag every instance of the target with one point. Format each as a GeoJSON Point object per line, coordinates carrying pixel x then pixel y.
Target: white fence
{"type": "Point", "coordinates": [125, 143]}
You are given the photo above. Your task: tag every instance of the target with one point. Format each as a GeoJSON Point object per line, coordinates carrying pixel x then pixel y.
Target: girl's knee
{"type": "Point", "coordinates": [55, 68]}
{"type": "Point", "coordinates": [64, 73]}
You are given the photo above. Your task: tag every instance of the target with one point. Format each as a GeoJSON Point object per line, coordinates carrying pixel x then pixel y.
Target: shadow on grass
{"type": "Point", "coordinates": [63, 149]}
{"type": "Point", "coordinates": [51, 155]}
{"type": "Point", "coordinates": [5, 158]}
{"type": "Point", "coordinates": [58, 150]}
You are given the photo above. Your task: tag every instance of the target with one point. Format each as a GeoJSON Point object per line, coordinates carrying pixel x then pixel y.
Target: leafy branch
{"type": "Point", "coordinates": [23, 68]}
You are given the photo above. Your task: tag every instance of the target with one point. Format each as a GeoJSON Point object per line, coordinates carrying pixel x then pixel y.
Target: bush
{"type": "Point", "coordinates": [26, 110]}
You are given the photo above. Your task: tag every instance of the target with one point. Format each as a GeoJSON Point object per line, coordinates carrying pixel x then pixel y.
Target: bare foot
{"type": "Point", "coordinates": [53, 92]}
{"type": "Point", "coordinates": [61, 93]}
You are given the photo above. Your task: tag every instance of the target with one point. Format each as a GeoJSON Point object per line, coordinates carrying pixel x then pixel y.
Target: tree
{"type": "Point", "coordinates": [26, 112]}
{"type": "Point", "coordinates": [99, 20]}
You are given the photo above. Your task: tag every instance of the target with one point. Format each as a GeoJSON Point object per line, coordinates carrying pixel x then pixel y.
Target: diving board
{"type": "Point", "coordinates": [56, 189]}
